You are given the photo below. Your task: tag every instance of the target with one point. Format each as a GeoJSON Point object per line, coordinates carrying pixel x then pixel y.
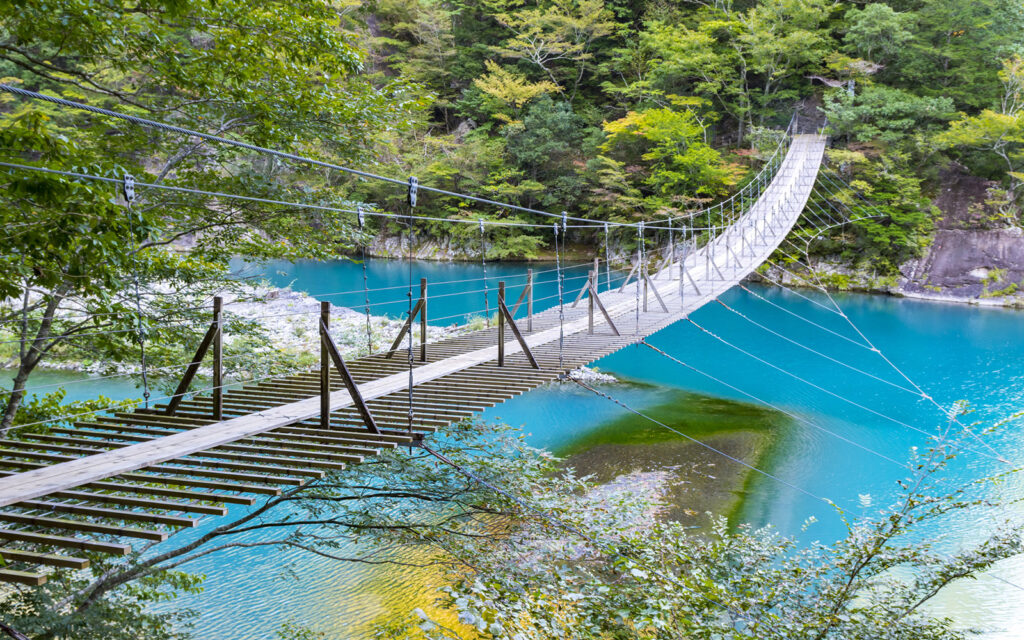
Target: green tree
{"type": "Point", "coordinates": [998, 132]}
{"type": "Point", "coordinates": [877, 113]}
{"type": "Point", "coordinates": [556, 38]}
{"type": "Point", "coordinates": [876, 32]}
{"type": "Point", "coordinates": [748, 62]}
{"type": "Point", "coordinates": [401, 498]}
{"type": "Point", "coordinates": [956, 49]}
{"type": "Point", "coordinates": [544, 147]}
{"type": "Point", "coordinates": [669, 146]}
{"type": "Point", "coordinates": [287, 76]}
{"type": "Point", "coordinates": [892, 216]}
{"type": "Point", "coordinates": [593, 575]}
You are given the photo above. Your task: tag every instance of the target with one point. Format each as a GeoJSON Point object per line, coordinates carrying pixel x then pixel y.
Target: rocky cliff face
{"type": "Point", "coordinates": [974, 256]}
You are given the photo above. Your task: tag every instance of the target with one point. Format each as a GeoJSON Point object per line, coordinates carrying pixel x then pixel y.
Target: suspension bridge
{"type": "Point", "coordinates": [109, 480]}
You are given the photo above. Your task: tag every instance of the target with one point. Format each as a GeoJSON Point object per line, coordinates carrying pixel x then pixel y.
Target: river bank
{"type": "Point", "coordinates": [272, 322]}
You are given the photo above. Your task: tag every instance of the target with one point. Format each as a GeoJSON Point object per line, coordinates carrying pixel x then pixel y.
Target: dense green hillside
{"type": "Point", "coordinates": [626, 110]}
{"type": "Point", "coordinates": [612, 110]}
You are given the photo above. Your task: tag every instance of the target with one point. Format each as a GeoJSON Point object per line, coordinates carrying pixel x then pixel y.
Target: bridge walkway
{"type": "Point", "coordinates": [96, 486]}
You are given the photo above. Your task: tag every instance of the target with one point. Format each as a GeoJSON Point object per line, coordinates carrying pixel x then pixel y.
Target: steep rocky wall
{"type": "Point", "coordinates": [973, 257]}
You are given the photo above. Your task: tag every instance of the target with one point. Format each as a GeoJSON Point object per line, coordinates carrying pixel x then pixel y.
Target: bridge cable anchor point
{"type": "Point", "coordinates": [128, 188]}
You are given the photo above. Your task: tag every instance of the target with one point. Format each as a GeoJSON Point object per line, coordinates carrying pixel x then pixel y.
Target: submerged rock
{"type": "Point", "coordinates": [586, 374]}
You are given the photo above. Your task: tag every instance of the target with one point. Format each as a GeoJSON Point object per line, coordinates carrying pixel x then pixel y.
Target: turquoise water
{"type": "Point", "coordinates": [457, 291]}
{"type": "Point", "coordinates": [954, 352]}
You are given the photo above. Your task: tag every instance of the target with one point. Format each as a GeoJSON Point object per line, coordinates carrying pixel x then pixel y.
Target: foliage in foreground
{"type": "Point", "coordinates": [549, 557]}
{"type": "Point", "coordinates": [668, 582]}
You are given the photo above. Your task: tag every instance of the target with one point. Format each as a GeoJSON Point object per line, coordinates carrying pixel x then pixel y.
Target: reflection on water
{"type": "Point", "coordinates": [954, 352]}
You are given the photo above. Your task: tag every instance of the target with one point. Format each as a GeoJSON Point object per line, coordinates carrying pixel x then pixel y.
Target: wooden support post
{"type": "Point", "coordinates": [405, 328]}
{"type": "Point", "coordinates": [526, 294]}
{"type": "Point", "coordinates": [423, 320]}
{"type": "Point", "coordinates": [579, 296]}
{"type": "Point", "coordinates": [682, 287]}
{"type": "Point", "coordinates": [334, 355]}
{"type": "Point", "coordinates": [715, 265]}
{"type": "Point", "coordinates": [325, 366]}
{"type": "Point", "coordinates": [693, 282]}
{"type": "Point", "coordinates": [643, 276]}
{"type": "Point", "coordinates": [665, 263]}
{"type": "Point", "coordinates": [629, 275]}
{"type": "Point", "coordinates": [218, 359]}
{"type": "Point", "coordinates": [596, 299]}
{"type": "Point", "coordinates": [590, 284]}
{"type": "Point", "coordinates": [730, 250]}
{"type": "Point", "coordinates": [501, 324]}
{"type": "Point", "coordinates": [657, 296]}
{"type": "Point", "coordinates": [193, 367]}
{"type": "Point", "coordinates": [504, 313]}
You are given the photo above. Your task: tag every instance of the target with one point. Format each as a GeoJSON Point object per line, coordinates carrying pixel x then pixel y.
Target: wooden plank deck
{"type": "Point", "coordinates": [126, 466]}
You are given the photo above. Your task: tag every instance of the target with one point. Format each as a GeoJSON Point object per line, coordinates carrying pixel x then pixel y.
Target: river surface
{"type": "Point", "coordinates": [872, 411]}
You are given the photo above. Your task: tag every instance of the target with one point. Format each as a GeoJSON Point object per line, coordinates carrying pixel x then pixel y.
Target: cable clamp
{"type": "Point", "coordinates": [360, 216]}
{"type": "Point", "coordinates": [481, 225]}
{"type": "Point", "coordinates": [414, 185]}
{"type": "Point", "coordinates": [565, 217]}
{"type": "Point", "coordinates": [128, 187]}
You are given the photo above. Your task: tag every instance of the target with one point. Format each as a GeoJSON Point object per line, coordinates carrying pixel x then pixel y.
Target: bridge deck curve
{"type": "Point", "coordinates": [139, 467]}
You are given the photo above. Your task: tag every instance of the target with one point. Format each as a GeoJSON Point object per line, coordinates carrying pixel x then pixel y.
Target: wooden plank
{"type": "Point", "coordinates": [22, 577]}
{"type": "Point", "coordinates": [47, 559]}
{"type": "Point", "coordinates": [146, 503]}
{"type": "Point", "coordinates": [113, 514]}
{"type": "Point", "coordinates": [65, 542]}
{"type": "Point", "coordinates": [81, 525]}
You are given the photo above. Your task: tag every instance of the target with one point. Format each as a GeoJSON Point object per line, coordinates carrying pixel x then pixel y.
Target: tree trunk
{"type": "Point", "coordinates": [29, 358]}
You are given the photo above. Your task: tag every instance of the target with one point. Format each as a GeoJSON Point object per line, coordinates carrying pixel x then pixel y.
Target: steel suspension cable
{"type": "Point", "coordinates": [561, 305]}
{"type": "Point", "coordinates": [812, 350]}
{"type": "Point", "coordinates": [607, 259]}
{"type": "Point", "coordinates": [483, 264]}
{"type": "Point", "coordinates": [258, 149]}
{"type": "Point", "coordinates": [775, 407]}
{"type": "Point", "coordinates": [800, 317]}
{"type": "Point", "coordinates": [129, 196]}
{"type": "Point", "coordinates": [919, 391]}
{"type": "Point", "coordinates": [366, 286]}
{"type": "Point", "coordinates": [828, 392]}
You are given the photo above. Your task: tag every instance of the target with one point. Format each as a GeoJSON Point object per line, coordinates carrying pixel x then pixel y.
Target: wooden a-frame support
{"type": "Point", "coordinates": [587, 285]}
{"type": "Point", "coordinates": [596, 300]}
{"type": "Point", "coordinates": [420, 309]}
{"type": "Point", "coordinates": [329, 354]}
{"type": "Point", "coordinates": [629, 276]}
{"type": "Point", "coordinates": [649, 284]}
{"type": "Point", "coordinates": [215, 337]}
{"type": "Point", "coordinates": [504, 315]}
{"type": "Point", "coordinates": [527, 294]}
